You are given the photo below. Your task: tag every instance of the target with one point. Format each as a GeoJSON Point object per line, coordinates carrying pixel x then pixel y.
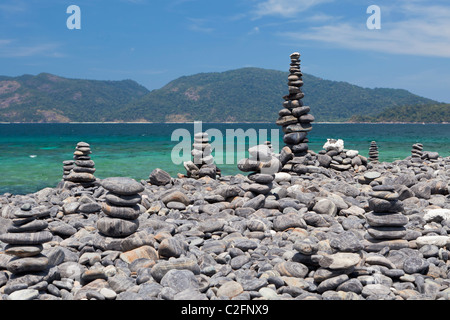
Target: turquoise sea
{"type": "Point", "coordinates": [31, 155]}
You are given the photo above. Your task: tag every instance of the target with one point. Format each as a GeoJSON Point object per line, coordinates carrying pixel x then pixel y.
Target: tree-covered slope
{"type": "Point", "coordinates": [253, 94]}
{"type": "Point", "coordinates": [49, 98]}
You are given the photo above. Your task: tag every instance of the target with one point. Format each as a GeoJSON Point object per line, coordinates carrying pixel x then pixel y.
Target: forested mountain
{"type": "Point", "coordinates": [49, 98]}
{"type": "Point", "coordinates": [242, 95]}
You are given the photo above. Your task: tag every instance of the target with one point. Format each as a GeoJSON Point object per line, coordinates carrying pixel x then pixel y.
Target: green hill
{"type": "Point", "coordinates": [253, 94]}
{"type": "Point", "coordinates": [49, 98]}
{"type": "Point", "coordinates": [436, 113]}
{"type": "Point", "coordinates": [242, 95]}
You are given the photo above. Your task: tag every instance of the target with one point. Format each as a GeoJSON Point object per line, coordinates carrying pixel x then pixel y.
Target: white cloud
{"type": "Point", "coordinates": [285, 8]}
{"type": "Point", "coordinates": [421, 30]}
{"type": "Point", "coordinates": [198, 25]}
{"type": "Point", "coordinates": [11, 49]}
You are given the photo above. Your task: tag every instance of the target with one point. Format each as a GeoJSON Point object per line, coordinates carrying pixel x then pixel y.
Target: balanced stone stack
{"type": "Point", "coordinates": [81, 169]}
{"type": "Point", "coordinates": [203, 161]}
{"type": "Point", "coordinates": [386, 219]}
{"type": "Point", "coordinates": [24, 240]}
{"type": "Point", "coordinates": [373, 152]}
{"type": "Point", "coordinates": [294, 118]}
{"type": "Point", "coordinates": [416, 152]}
{"type": "Point", "coordinates": [121, 207]}
{"type": "Point", "coordinates": [262, 165]}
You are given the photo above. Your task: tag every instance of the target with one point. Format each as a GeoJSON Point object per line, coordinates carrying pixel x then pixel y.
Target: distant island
{"type": "Point", "coordinates": [242, 95]}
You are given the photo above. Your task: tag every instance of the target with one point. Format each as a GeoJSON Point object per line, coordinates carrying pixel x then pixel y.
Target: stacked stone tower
{"type": "Point", "coordinates": [202, 163]}
{"type": "Point", "coordinates": [373, 152]}
{"type": "Point", "coordinates": [294, 118]}
{"type": "Point", "coordinates": [82, 168]}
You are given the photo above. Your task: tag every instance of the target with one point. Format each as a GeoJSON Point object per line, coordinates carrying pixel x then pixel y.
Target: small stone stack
{"type": "Point", "coordinates": [24, 240]}
{"type": "Point", "coordinates": [81, 169]}
{"type": "Point", "coordinates": [373, 152]}
{"type": "Point", "coordinates": [262, 165]}
{"type": "Point", "coordinates": [385, 219]}
{"type": "Point", "coordinates": [203, 161]}
{"type": "Point", "coordinates": [416, 152]}
{"type": "Point", "coordinates": [294, 118]}
{"type": "Point", "coordinates": [121, 207]}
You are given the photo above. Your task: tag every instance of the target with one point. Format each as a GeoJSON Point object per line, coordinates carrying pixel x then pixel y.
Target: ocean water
{"type": "Point", "coordinates": [31, 155]}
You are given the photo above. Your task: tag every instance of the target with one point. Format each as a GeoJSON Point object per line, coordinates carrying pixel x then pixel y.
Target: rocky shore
{"type": "Point", "coordinates": [328, 227]}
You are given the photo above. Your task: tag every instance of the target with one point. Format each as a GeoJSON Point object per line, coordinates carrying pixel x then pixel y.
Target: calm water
{"type": "Point", "coordinates": [31, 155]}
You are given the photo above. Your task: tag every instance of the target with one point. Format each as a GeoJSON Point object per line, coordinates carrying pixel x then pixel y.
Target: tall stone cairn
{"type": "Point", "coordinates": [81, 169]}
{"type": "Point", "coordinates": [373, 152]}
{"type": "Point", "coordinates": [416, 152]}
{"type": "Point", "coordinates": [294, 118]}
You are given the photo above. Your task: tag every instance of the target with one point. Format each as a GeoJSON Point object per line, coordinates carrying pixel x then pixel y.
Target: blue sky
{"type": "Point", "coordinates": [156, 41]}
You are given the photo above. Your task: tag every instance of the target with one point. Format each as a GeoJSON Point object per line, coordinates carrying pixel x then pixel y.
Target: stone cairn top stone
{"type": "Point", "coordinates": [202, 164]}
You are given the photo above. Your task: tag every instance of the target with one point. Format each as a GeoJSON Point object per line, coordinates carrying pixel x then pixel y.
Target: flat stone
{"type": "Point", "coordinates": [381, 205]}
{"type": "Point", "coordinates": [117, 227]}
{"type": "Point", "coordinates": [386, 219]}
{"type": "Point", "coordinates": [180, 280]}
{"type": "Point", "coordinates": [372, 175]}
{"type": "Point", "coordinates": [375, 289]}
{"type": "Point", "coordinates": [387, 233]}
{"type": "Point", "coordinates": [33, 226]}
{"type": "Point", "coordinates": [439, 241]}
{"type": "Point", "coordinates": [23, 251]}
{"type": "Point", "coordinates": [291, 269]}
{"type": "Point", "coordinates": [230, 289]}
{"type": "Point", "coordinates": [25, 294]}
{"type": "Point", "coordinates": [340, 260]}
{"type": "Point", "coordinates": [29, 264]}
{"type": "Point", "coordinates": [172, 247]}
{"type": "Point", "coordinates": [177, 196]}
{"type": "Point", "coordinates": [128, 213]}
{"type": "Point", "coordinates": [26, 238]}
{"type": "Point", "coordinates": [287, 221]}
{"type": "Point", "coordinates": [122, 186]}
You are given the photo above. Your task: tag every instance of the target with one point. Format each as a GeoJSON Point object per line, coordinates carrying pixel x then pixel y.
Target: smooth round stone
{"type": "Point", "coordinates": [294, 138]}
{"type": "Point", "coordinates": [163, 266]}
{"type": "Point", "coordinates": [340, 260]}
{"type": "Point", "coordinates": [386, 195]}
{"type": "Point", "coordinates": [176, 205]}
{"type": "Point", "coordinates": [299, 127]}
{"type": "Point", "coordinates": [117, 227]}
{"type": "Point", "coordinates": [248, 165]}
{"type": "Point", "coordinates": [261, 178]}
{"type": "Point", "coordinates": [84, 170]}
{"type": "Point", "coordinates": [26, 213]}
{"type": "Point", "coordinates": [89, 207]}
{"type": "Point", "coordinates": [381, 205]}
{"type": "Point", "coordinates": [85, 163]}
{"type": "Point", "coordinates": [291, 269]}
{"type": "Point", "coordinates": [415, 265]}
{"type": "Point", "coordinates": [372, 175]}
{"type": "Point", "coordinates": [23, 251]}
{"type": "Point", "coordinates": [387, 232]}
{"type": "Point", "coordinates": [80, 177]}
{"type": "Point", "coordinates": [292, 104]}
{"type": "Point", "coordinates": [172, 248]}
{"type": "Point", "coordinates": [33, 226]}
{"type": "Point", "coordinates": [230, 289]}
{"type": "Point", "coordinates": [306, 118]}
{"type": "Point", "coordinates": [123, 201]}
{"type": "Point", "coordinates": [122, 186]}
{"type": "Point", "coordinates": [287, 120]}
{"type": "Point", "coordinates": [25, 294]}
{"type": "Point", "coordinates": [128, 213]}
{"type": "Point", "coordinates": [259, 188]}
{"type": "Point", "coordinates": [29, 264]}
{"type": "Point", "coordinates": [299, 148]}
{"type": "Point", "coordinates": [386, 219]}
{"type": "Point", "coordinates": [26, 238]}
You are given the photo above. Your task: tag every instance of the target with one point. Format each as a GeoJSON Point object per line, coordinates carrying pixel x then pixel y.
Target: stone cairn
{"type": "Point", "coordinates": [373, 152]}
{"type": "Point", "coordinates": [294, 118]}
{"type": "Point", "coordinates": [386, 219]}
{"type": "Point", "coordinates": [24, 240]}
{"type": "Point", "coordinates": [81, 169]}
{"type": "Point", "coordinates": [203, 161]}
{"type": "Point", "coordinates": [262, 166]}
{"type": "Point", "coordinates": [416, 152]}
{"type": "Point", "coordinates": [121, 207]}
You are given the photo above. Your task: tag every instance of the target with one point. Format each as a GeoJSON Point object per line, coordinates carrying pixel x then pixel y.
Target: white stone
{"type": "Point", "coordinates": [108, 293]}
{"type": "Point", "coordinates": [437, 215]}
{"type": "Point", "coordinates": [352, 153]}
{"type": "Point", "coordinates": [333, 144]}
{"type": "Point", "coordinates": [440, 241]}
{"type": "Point", "coordinates": [261, 152]}
{"type": "Point", "coordinates": [282, 176]}
{"type": "Point", "coordinates": [25, 294]}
